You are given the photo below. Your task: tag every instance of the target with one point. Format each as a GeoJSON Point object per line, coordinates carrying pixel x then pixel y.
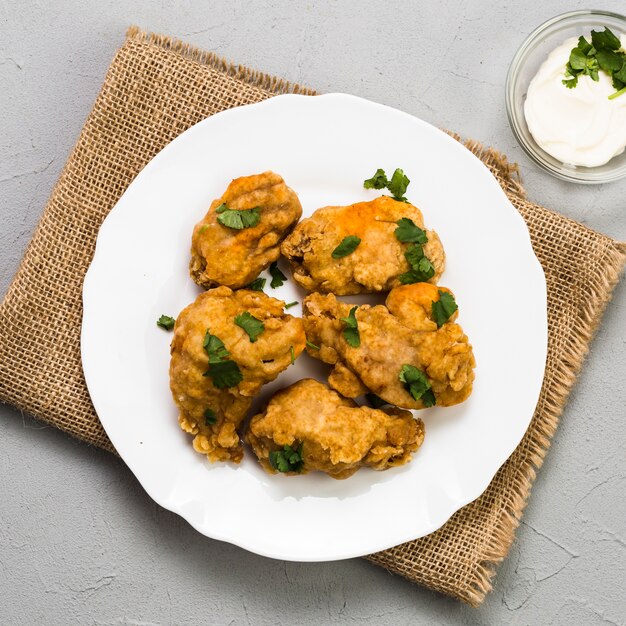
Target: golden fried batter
{"type": "Point", "coordinates": [234, 258]}
{"type": "Point", "coordinates": [378, 260]}
{"type": "Point", "coordinates": [259, 362]}
{"type": "Point", "coordinates": [402, 332]}
{"type": "Point", "coordinates": [337, 436]}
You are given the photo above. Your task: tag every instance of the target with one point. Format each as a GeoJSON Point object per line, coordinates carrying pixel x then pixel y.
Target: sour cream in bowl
{"type": "Point", "coordinates": [581, 125]}
{"type": "Point", "coordinates": [579, 133]}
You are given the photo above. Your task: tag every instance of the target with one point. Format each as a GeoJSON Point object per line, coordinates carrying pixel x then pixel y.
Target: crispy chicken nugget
{"type": "Point", "coordinates": [308, 427]}
{"type": "Point", "coordinates": [214, 397]}
{"type": "Point", "coordinates": [378, 261]}
{"type": "Point", "coordinates": [234, 257]}
{"type": "Point", "coordinates": [402, 333]}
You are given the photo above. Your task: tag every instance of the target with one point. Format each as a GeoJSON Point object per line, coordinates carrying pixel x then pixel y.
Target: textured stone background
{"type": "Point", "coordinates": [81, 543]}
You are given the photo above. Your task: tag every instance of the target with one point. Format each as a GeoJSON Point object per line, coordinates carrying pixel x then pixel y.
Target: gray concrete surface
{"type": "Point", "coordinates": [81, 543]}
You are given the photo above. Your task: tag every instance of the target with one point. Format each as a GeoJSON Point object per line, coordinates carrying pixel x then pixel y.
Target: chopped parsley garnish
{"type": "Point", "coordinates": [278, 278]}
{"type": "Point", "coordinates": [223, 371]}
{"type": "Point", "coordinates": [416, 383]}
{"type": "Point", "coordinates": [444, 308]}
{"type": "Point", "coordinates": [257, 284]}
{"type": "Point", "coordinates": [312, 345]}
{"type": "Point", "coordinates": [288, 306]}
{"type": "Point", "coordinates": [167, 322]}
{"type": "Point", "coordinates": [409, 232]}
{"type": "Point", "coordinates": [603, 53]}
{"type": "Point", "coordinates": [375, 401]}
{"type": "Point", "coordinates": [397, 185]}
{"type": "Point", "coordinates": [378, 181]}
{"type": "Point", "coordinates": [347, 246]}
{"type": "Point", "coordinates": [253, 326]}
{"type": "Point", "coordinates": [288, 459]}
{"type": "Point", "coordinates": [421, 267]}
{"type": "Point", "coordinates": [237, 219]}
{"type": "Point", "coordinates": [292, 353]}
{"type": "Point", "coordinates": [209, 417]}
{"type": "Point", "coordinates": [351, 331]}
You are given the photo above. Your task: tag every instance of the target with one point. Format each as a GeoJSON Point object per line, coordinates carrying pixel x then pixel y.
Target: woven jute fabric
{"type": "Point", "coordinates": [154, 90]}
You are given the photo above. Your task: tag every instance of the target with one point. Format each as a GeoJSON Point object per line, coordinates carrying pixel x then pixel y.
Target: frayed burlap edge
{"type": "Point", "coordinates": [241, 72]}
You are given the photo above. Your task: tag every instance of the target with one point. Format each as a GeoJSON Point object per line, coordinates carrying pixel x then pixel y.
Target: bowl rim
{"type": "Point", "coordinates": [587, 176]}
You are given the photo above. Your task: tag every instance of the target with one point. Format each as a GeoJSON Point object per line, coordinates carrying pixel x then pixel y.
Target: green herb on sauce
{"type": "Point", "coordinates": [347, 246]}
{"type": "Point", "coordinates": [209, 417]}
{"type": "Point", "coordinates": [238, 219]}
{"type": "Point", "coordinates": [602, 54]}
{"type": "Point", "coordinates": [223, 371]}
{"type": "Point", "coordinates": [444, 308]}
{"type": "Point", "coordinates": [351, 330]}
{"type": "Point", "coordinates": [278, 278]}
{"type": "Point", "coordinates": [409, 232]}
{"type": "Point", "coordinates": [257, 284]}
{"type": "Point", "coordinates": [416, 383]}
{"type": "Point", "coordinates": [253, 326]}
{"type": "Point", "coordinates": [421, 267]}
{"type": "Point", "coordinates": [288, 459]}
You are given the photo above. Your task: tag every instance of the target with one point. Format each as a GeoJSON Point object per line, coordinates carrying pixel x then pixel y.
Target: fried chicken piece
{"type": "Point", "coordinates": [402, 332]}
{"type": "Point", "coordinates": [226, 256]}
{"type": "Point", "coordinates": [329, 433]}
{"type": "Point", "coordinates": [195, 392]}
{"type": "Point", "coordinates": [378, 260]}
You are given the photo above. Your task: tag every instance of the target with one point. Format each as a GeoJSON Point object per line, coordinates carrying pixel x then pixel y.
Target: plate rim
{"type": "Point", "coordinates": [258, 548]}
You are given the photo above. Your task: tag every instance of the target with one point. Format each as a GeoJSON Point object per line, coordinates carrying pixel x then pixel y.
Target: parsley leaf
{"type": "Point", "coordinates": [602, 54]}
{"type": "Point", "coordinates": [583, 45]}
{"type": "Point", "coordinates": [312, 345]}
{"type": "Point", "coordinates": [257, 284]}
{"type": "Point", "coordinates": [421, 267]}
{"type": "Point", "coordinates": [398, 185]}
{"type": "Point", "coordinates": [408, 232]}
{"type": "Point", "coordinates": [610, 61]}
{"type": "Point", "coordinates": [444, 308]}
{"type": "Point", "coordinates": [288, 459]}
{"type": "Point", "coordinates": [417, 385]}
{"type": "Point", "coordinates": [605, 39]}
{"type": "Point", "coordinates": [253, 326]}
{"type": "Point", "coordinates": [209, 417]}
{"type": "Point", "coordinates": [378, 181]}
{"type": "Point", "coordinates": [278, 278]}
{"type": "Point", "coordinates": [375, 401]}
{"type": "Point", "coordinates": [351, 331]}
{"type": "Point", "coordinates": [167, 322]}
{"type": "Point", "coordinates": [225, 374]}
{"type": "Point", "coordinates": [577, 59]}
{"type": "Point", "coordinates": [223, 371]}
{"type": "Point", "coordinates": [570, 83]}
{"type": "Point", "coordinates": [347, 246]}
{"type": "Point", "coordinates": [238, 219]}
{"type": "Point", "coordinates": [214, 347]}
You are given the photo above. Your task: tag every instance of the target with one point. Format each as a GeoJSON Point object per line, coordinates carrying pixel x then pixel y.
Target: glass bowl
{"type": "Point", "coordinates": [526, 62]}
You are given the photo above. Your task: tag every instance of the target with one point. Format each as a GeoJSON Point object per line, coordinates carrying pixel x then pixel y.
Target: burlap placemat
{"type": "Point", "coordinates": [154, 90]}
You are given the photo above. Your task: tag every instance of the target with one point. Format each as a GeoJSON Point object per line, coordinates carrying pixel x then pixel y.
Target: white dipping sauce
{"type": "Point", "coordinates": [578, 126]}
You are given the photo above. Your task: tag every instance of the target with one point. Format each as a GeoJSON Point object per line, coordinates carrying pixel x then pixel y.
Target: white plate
{"type": "Point", "coordinates": [324, 147]}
